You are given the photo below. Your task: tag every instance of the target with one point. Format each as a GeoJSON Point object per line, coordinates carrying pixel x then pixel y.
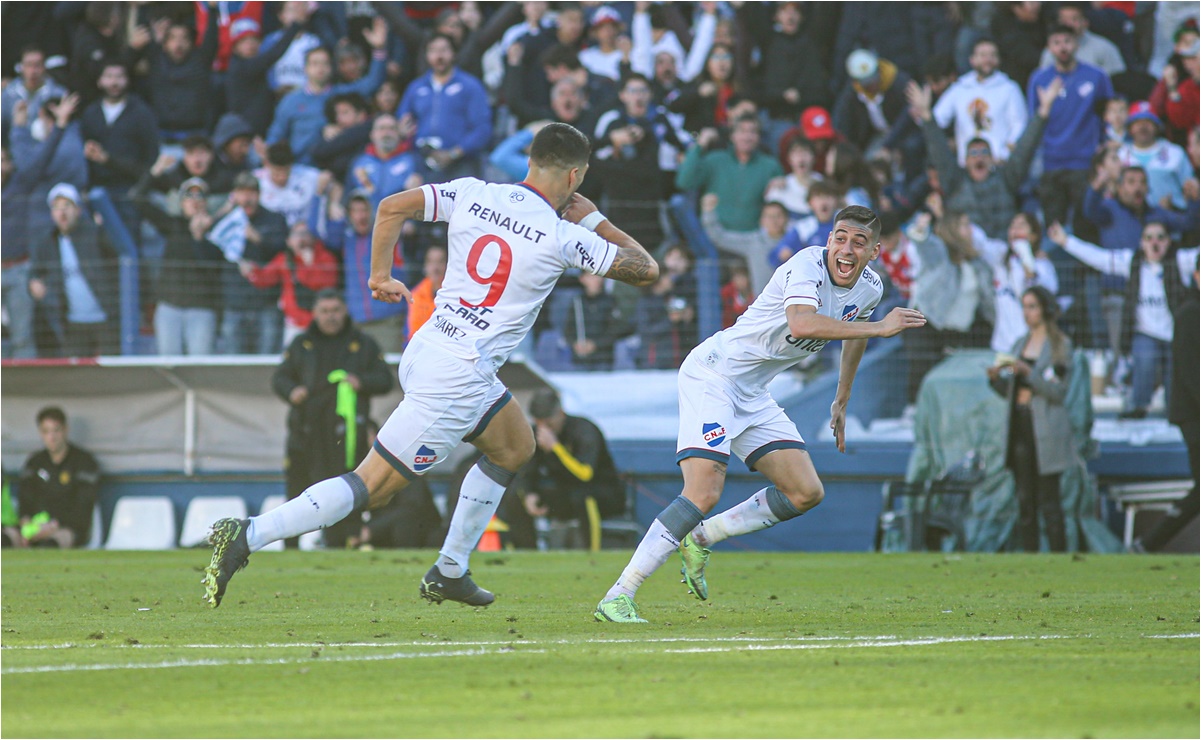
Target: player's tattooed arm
{"type": "Point", "coordinates": [634, 266]}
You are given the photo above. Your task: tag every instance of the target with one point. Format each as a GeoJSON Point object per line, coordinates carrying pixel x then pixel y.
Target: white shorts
{"type": "Point", "coordinates": [715, 420]}
{"type": "Point", "coordinates": [447, 400]}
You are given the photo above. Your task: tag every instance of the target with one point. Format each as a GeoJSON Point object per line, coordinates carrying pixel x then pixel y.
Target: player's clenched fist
{"type": "Point", "coordinates": [577, 208]}
{"type": "Point", "coordinates": [389, 290]}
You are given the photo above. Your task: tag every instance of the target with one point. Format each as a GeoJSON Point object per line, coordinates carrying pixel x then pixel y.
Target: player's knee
{"type": "Point", "coordinates": [805, 496]}
{"type": "Point", "coordinates": [704, 500]}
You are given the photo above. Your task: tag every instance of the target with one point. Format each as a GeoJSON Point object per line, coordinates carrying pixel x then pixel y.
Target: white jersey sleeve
{"type": "Point", "coordinates": [804, 280]}
{"type": "Point", "coordinates": [440, 198]}
{"type": "Point", "coordinates": [584, 249]}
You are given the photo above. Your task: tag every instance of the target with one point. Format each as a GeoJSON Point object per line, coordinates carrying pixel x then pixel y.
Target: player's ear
{"type": "Point", "coordinates": [875, 251]}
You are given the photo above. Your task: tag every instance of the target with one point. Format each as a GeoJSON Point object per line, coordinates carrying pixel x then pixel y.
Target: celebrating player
{"type": "Point", "coordinates": [508, 247]}
{"type": "Point", "coordinates": [820, 294]}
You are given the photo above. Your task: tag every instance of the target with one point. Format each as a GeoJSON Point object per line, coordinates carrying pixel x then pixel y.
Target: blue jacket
{"type": "Point", "coordinates": [66, 164]}
{"type": "Point", "coordinates": [18, 202]}
{"type": "Point", "coordinates": [356, 265]}
{"type": "Point", "coordinates": [1122, 228]}
{"type": "Point", "coordinates": [457, 115]}
{"type": "Point", "coordinates": [1074, 128]}
{"type": "Point", "coordinates": [300, 116]}
{"type": "Point", "coordinates": [387, 176]}
{"type": "Point", "coordinates": [510, 155]}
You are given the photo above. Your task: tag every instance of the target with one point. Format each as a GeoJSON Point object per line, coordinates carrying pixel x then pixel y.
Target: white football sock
{"type": "Point", "coordinates": [321, 505]}
{"type": "Point", "coordinates": [654, 550]}
{"type": "Point", "coordinates": [751, 515]}
{"type": "Point", "coordinates": [478, 498]}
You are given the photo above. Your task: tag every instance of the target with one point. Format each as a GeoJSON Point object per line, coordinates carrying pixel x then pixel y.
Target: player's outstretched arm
{"type": "Point", "coordinates": [804, 322]}
{"type": "Point", "coordinates": [393, 211]}
{"type": "Point", "coordinates": [633, 264]}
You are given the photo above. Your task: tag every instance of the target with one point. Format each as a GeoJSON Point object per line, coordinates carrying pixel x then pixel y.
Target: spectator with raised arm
{"type": "Point", "coordinates": [180, 78]}
{"type": "Point", "coordinates": [1074, 127]}
{"type": "Point", "coordinates": [637, 148]}
{"type": "Point", "coordinates": [1121, 219]}
{"type": "Point", "coordinates": [52, 134]}
{"type": "Point", "coordinates": [300, 116]}
{"type": "Point", "coordinates": [32, 85]}
{"type": "Point", "coordinates": [348, 230]}
{"type": "Point", "coordinates": [1176, 96]}
{"type": "Point", "coordinates": [250, 321]}
{"type": "Point", "coordinates": [23, 221]}
{"type": "Point", "coordinates": [753, 246]}
{"type": "Point", "coordinates": [188, 291]}
{"type": "Point", "coordinates": [1155, 289]}
{"type": "Point", "coordinates": [986, 191]}
{"type": "Point", "coordinates": [289, 72]}
{"type": "Point", "coordinates": [73, 280]}
{"type": "Point", "coordinates": [1018, 263]}
{"type": "Point", "coordinates": [301, 271]}
{"type": "Point", "coordinates": [247, 86]}
{"type": "Point", "coordinates": [450, 106]}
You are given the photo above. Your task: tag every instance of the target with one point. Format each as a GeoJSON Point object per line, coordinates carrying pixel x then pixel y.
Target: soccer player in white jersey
{"type": "Point", "coordinates": [507, 248]}
{"type": "Point", "coordinates": [820, 294]}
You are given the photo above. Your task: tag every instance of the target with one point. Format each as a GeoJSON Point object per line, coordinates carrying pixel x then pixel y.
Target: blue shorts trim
{"type": "Point", "coordinates": [713, 455]}
{"type": "Point", "coordinates": [496, 407]}
{"type": "Point", "coordinates": [782, 444]}
{"type": "Point", "coordinates": [394, 462]}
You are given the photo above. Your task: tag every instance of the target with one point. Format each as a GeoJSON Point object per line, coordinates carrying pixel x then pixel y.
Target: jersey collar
{"type": "Point", "coordinates": [536, 192]}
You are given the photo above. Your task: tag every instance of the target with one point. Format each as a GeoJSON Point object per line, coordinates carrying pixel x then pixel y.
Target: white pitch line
{"type": "Point", "coordinates": [205, 662]}
{"type": "Point", "coordinates": [749, 644]}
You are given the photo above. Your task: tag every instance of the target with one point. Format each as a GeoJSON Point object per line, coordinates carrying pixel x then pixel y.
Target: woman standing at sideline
{"type": "Point", "coordinates": [1035, 377]}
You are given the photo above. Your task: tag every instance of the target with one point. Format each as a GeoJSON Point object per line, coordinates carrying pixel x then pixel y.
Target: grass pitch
{"type": "Point", "coordinates": [337, 644]}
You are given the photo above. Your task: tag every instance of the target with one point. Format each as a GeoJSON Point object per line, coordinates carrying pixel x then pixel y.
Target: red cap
{"type": "Point", "coordinates": [816, 124]}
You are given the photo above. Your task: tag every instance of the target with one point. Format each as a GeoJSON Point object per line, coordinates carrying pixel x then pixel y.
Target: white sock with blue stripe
{"type": "Point", "coordinates": [321, 505]}
{"type": "Point", "coordinates": [766, 508]}
{"type": "Point", "coordinates": [481, 492]}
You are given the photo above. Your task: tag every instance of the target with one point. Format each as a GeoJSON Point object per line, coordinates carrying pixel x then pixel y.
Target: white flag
{"type": "Point", "coordinates": [229, 234]}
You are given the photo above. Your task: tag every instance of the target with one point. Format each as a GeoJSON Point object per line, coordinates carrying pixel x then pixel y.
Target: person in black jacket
{"type": "Point", "coordinates": [246, 90]}
{"type": "Point", "coordinates": [73, 278]}
{"type": "Point", "coordinates": [120, 138]}
{"type": "Point", "coordinates": [58, 488]}
{"type": "Point", "coordinates": [1184, 412]}
{"type": "Point", "coordinates": [793, 71]}
{"type": "Point", "coordinates": [593, 325]}
{"type": "Point", "coordinates": [179, 84]}
{"type": "Point", "coordinates": [189, 281]}
{"type": "Point", "coordinates": [571, 464]}
{"type": "Point", "coordinates": [328, 376]}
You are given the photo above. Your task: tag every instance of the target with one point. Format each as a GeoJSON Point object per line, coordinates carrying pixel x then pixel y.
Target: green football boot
{"type": "Point", "coordinates": [618, 609]}
{"type": "Point", "coordinates": [230, 554]}
{"type": "Point", "coordinates": [695, 559]}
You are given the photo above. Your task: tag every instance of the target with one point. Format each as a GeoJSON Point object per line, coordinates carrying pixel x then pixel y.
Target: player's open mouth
{"type": "Point", "coordinates": [845, 268]}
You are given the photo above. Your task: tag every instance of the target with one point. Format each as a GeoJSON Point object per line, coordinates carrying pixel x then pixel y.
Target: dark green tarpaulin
{"type": "Point", "coordinates": [958, 413]}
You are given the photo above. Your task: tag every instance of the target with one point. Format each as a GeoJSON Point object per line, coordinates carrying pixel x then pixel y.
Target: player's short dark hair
{"type": "Point", "coordinates": [545, 403]}
{"type": "Point", "coordinates": [863, 216]}
{"type": "Point", "coordinates": [280, 154]}
{"type": "Point", "coordinates": [53, 413]}
{"type": "Point", "coordinates": [560, 146]}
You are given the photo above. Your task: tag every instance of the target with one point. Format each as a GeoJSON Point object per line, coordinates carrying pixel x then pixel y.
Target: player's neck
{"type": "Point", "coordinates": [547, 190]}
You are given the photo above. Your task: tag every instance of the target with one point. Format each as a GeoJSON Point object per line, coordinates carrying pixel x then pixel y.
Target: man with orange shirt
{"type": "Point", "coordinates": [434, 268]}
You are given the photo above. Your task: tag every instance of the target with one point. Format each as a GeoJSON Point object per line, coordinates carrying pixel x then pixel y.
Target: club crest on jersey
{"type": "Point", "coordinates": [850, 312]}
{"type": "Point", "coordinates": [516, 197]}
{"type": "Point", "coordinates": [713, 434]}
{"type": "Point", "coordinates": [424, 459]}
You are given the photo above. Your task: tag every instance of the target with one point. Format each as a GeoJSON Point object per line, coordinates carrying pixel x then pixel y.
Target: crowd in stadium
{"type": "Point", "coordinates": [235, 153]}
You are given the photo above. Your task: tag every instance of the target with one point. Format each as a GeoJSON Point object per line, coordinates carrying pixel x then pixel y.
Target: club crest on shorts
{"type": "Point", "coordinates": [424, 459]}
{"type": "Point", "coordinates": [850, 312]}
{"type": "Point", "coordinates": [713, 434]}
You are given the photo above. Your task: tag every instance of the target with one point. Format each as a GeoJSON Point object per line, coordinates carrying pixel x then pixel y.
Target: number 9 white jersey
{"type": "Point", "coordinates": [507, 248]}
